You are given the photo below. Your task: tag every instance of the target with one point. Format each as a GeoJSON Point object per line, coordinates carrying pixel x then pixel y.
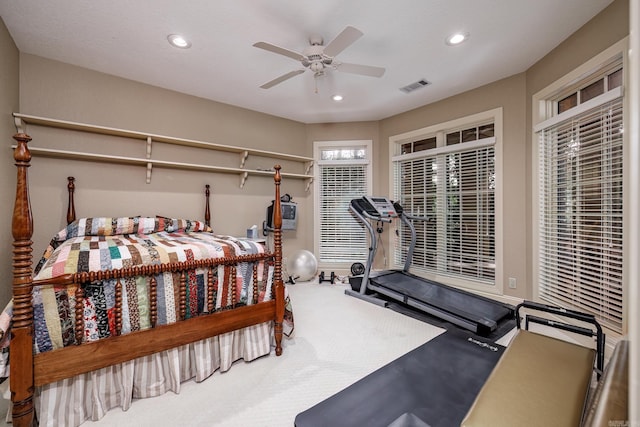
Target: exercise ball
{"type": "Point", "coordinates": [302, 265]}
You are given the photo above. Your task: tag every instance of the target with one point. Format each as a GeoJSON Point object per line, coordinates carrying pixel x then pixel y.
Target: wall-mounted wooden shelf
{"type": "Point", "coordinates": [149, 138]}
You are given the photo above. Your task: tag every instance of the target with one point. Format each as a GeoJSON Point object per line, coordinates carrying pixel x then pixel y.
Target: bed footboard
{"type": "Point", "coordinates": [28, 371]}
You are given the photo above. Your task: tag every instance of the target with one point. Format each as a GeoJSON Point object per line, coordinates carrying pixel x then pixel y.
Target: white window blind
{"type": "Point", "coordinates": [455, 186]}
{"type": "Point", "coordinates": [343, 175]}
{"type": "Point", "coordinates": [581, 216]}
{"type": "Point", "coordinates": [416, 191]}
{"type": "Point", "coordinates": [470, 211]}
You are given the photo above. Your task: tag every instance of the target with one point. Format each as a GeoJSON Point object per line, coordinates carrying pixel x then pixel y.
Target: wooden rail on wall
{"type": "Point", "coordinates": [149, 139]}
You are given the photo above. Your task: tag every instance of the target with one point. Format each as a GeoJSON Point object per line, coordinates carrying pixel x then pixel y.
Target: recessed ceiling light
{"type": "Point", "coordinates": [337, 98]}
{"type": "Point", "coordinates": [179, 41]}
{"type": "Point", "coordinates": [457, 38]}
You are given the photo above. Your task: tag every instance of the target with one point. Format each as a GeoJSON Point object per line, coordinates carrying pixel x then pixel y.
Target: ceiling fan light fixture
{"type": "Point", "coordinates": [176, 40]}
{"type": "Point", "coordinates": [457, 38]}
{"type": "Point", "coordinates": [316, 66]}
{"type": "Point", "coordinates": [337, 98]}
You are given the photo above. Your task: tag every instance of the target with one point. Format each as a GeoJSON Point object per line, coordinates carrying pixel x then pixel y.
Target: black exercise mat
{"type": "Point", "coordinates": [433, 385]}
{"type": "Point", "coordinates": [504, 326]}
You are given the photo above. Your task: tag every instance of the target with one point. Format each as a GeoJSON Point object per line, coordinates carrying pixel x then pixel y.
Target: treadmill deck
{"type": "Point", "coordinates": [464, 308]}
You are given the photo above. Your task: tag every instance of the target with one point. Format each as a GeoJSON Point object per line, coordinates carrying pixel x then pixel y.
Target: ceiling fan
{"type": "Point", "coordinates": [320, 58]}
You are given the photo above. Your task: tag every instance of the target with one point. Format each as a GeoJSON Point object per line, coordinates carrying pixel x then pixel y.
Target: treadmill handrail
{"type": "Point", "coordinates": [373, 246]}
{"type": "Point", "coordinates": [419, 218]}
{"type": "Point", "coordinates": [408, 219]}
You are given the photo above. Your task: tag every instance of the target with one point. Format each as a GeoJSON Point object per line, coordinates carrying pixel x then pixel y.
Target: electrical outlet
{"type": "Point", "coordinates": [512, 282]}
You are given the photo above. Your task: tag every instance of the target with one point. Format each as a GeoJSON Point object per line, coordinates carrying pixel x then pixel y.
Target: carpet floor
{"type": "Point", "coordinates": [337, 341]}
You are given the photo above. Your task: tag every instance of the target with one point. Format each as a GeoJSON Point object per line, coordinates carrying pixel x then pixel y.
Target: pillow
{"type": "Point", "coordinates": [172, 225]}
{"type": "Point", "coordinates": [105, 226]}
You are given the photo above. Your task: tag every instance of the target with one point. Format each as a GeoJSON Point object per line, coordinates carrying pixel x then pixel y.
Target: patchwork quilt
{"type": "Point", "coordinates": [94, 244]}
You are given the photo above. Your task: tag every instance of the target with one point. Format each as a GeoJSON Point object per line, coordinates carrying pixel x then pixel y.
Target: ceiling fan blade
{"type": "Point", "coordinates": [281, 79]}
{"type": "Point", "coordinates": [279, 50]}
{"type": "Point", "coordinates": [365, 70]}
{"type": "Point", "coordinates": [342, 41]}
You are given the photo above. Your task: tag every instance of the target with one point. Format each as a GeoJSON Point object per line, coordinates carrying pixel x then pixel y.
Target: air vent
{"type": "Point", "coordinates": [413, 86]}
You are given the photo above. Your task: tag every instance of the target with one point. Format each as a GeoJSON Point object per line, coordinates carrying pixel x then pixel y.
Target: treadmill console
{"type": "Point", "coordinates": [383, 206]}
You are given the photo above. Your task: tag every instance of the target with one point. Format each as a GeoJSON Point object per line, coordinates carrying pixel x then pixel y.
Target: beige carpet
{"type": "Point", "coordinates": [337, 340]}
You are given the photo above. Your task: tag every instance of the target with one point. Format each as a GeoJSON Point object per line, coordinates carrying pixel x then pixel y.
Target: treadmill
{"type": "Point", "coordinates": [464, 309]}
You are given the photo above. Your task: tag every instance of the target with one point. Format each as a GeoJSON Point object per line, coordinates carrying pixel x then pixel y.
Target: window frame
{"type": "Point", "coordinates": [395, 143]}
{"type": "Point", "coordinates": [318, 146]}
{"type": "Point", "coordinates": [544, 108]}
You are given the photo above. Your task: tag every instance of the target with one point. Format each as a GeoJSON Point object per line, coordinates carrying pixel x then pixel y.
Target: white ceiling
{"type": "Point", "coordinates": [407, 37]}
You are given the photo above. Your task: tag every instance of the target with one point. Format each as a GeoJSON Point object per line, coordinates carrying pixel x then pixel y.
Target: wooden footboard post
{"type": "Point", "coordinates": [277, 274]}
{"type": "Point", "coordinates": [21, 368]}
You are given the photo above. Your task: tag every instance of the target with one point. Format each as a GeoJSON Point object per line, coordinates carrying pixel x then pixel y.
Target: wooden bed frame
{"type": "Point", "coordinates": [29, 370]}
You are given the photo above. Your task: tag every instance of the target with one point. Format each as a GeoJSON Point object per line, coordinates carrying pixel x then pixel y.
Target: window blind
{"type": "Point", "coordinates": [581, 217]}
{"type": "Point", "coordinates": [456, 188]}
{"type": "Point", "coordinates": [468, 191]}
{"type": "Point", "coordinates": [342, 237]}
{"type": "Point", "coordinates": [416, 191]}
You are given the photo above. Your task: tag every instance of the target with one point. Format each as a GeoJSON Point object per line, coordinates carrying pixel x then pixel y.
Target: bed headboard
{"type": "Point", "coordinates": [71, 208]}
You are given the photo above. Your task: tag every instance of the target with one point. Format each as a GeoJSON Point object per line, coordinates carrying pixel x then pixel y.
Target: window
{"type": "Point", "coordinates": [453, 182]}
{"type": "Point", "coordinates": [580, 197]}
{"type": "Point", "coordinates": [343, 173]}
{"type": "Point", "coordinates": [605, 82]}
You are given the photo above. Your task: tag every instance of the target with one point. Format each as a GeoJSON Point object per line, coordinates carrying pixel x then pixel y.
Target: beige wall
{"type": "Point", "coordinates": [604, 30]}
{"type": "Point", "coordinates": [513, 94]}
{"type": "Point", "coordinates": [509, 94]}
{"type": "Point", "coordinates": [9, 72]}
{"type": "Point", "coordinates": [362, 131]}
{"type": "Point", "coordinates": [58, 90]}
{"type": "Point", "coordinates": [62, 91]}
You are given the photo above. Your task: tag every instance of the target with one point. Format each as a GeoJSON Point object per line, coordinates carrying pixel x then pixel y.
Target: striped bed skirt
{"type": "Point", "coordinates": [89, 396]}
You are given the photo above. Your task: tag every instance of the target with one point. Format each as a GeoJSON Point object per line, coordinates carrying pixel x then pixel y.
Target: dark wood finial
{"type": "Point", "coordinates": [207, 210]}
{"type": "Point", "coordinates": [71, 208]}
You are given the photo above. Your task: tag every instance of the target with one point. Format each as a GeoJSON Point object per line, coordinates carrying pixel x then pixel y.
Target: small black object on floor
{"type": "Point", "coordinates": [331, 279]}
{"type": "Point", "coordinates": [433, 385]}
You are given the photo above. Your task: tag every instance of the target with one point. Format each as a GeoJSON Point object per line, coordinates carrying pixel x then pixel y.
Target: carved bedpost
{"type": "Point", "coordinates": [277, 274]}
{"type": "Point", "coordinates": [118, 306]}
{"type": "Point", "coordinates": [210, 301]}
{"type": "Point", "coordinates": [182, 296]}
{"type": "Point", "coordinates": [207, 211]}
{"type": "Point", "coordinates": [71, 208]}
{"type": "Point", "coordinates": [21, 370]}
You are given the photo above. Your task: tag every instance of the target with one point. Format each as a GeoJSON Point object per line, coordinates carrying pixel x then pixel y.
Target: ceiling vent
{"type": "Point", "coordinates": [413, 86]}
